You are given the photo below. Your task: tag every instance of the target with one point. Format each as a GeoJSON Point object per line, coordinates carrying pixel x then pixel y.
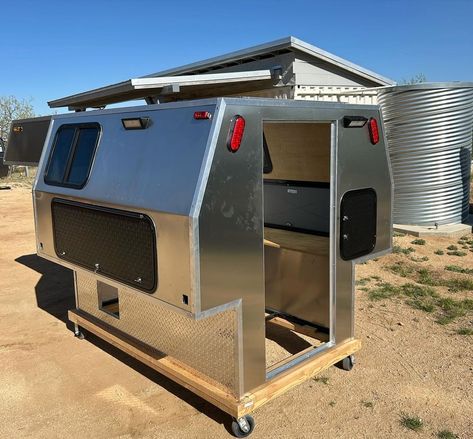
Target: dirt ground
{"type": "Point", "coordinates": [54, 385]}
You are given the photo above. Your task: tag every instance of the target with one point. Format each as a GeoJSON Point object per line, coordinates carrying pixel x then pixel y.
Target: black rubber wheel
{"type": "Point", "coordinates": [347, 363]}
{"type": "Point", "coordinates": [238, 431]}
{"type": "Point", "coordinates": [79, 334]}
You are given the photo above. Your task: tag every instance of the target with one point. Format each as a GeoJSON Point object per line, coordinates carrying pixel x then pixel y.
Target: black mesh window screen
{"type": "Point", "coordinates": [72, 155]}
{"type": "Point", "coordinates": [115, 243]}
{"type": "Point", "coordinates": [357, 223]}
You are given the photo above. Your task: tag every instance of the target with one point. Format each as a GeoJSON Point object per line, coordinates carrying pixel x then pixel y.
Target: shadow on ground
{"type": "Point", "coordinates": [55, 295]}
{"type": "Point", "coordinates": [55, 289]}
{"type": "Point", "coordinates": [290, 341]}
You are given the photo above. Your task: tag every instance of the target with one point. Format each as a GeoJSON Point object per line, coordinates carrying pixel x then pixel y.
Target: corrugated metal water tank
{"type": "Point", "coordinates": [429, 133]}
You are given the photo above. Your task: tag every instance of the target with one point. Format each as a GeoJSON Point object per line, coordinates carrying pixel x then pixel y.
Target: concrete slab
{"type": "Point", "coordinates": [447, 230]}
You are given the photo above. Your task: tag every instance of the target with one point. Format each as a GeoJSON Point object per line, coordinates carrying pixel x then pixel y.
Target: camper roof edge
{"type": "Point", "coordinates": [257, 101]}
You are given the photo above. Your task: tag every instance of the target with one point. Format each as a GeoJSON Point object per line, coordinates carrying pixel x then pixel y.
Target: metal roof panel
{"type": "Point", "coordinates": [289, 43]}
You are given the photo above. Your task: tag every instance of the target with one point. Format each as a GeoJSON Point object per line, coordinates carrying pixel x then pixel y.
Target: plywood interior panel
{"type": "Point", "coordinates": [299, 151]}
{"type": "Point", "coordinates": [303, 242]}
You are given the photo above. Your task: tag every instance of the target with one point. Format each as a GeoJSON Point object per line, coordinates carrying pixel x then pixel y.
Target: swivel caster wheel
{"type": "Point", "coordinates": [243, 427]}
{"type": "Point", "coordinates": [347, 363]}
{"type": "Point", "coordinates": [79, 334]}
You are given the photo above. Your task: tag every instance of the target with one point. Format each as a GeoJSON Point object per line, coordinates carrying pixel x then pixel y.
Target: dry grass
{"type": "Point", "coordinates": [18, 178]}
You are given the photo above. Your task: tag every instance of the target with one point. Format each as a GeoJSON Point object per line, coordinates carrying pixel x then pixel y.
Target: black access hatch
{"type": "Point", "coordinates": [358, 216]}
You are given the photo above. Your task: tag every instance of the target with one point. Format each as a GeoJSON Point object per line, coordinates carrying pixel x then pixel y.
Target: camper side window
{"type": "Point", "coordinates": [72, 154]}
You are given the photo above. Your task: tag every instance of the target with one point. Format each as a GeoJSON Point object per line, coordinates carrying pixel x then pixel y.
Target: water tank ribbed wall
{"type": "Point", "coordinates": [429, 133]}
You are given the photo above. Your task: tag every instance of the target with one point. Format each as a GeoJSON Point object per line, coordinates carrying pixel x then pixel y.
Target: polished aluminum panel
{"type": "Point", "coordinates": [128, 161]}
{"type": "Point", "coordinates": [429, 132]}
{"type": "Point", "coordinates": [357, 164]}
{"type": "Point", "coordinates": [231, 237]}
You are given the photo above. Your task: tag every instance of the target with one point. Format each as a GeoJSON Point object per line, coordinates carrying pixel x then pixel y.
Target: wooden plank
{"type": "Point", "coordinates": [290, 358]}
{"type": "Point", "coordinates": [165, 365]}
{"type": "Point", "coordinates": [113, 308]}
{"type": "Point", "coordinates": [270, 243]}
{"type": "Point", "coordinates": [297, 375]}
{"type": "Point", "coordinates": [201, 385]}
{"type": "Point", "coordinates": [303, 242]}
{"type": "Point", "coordinates": [301, 329]}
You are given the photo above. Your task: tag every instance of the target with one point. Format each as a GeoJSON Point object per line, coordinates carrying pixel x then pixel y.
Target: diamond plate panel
{"type": "Point", "coordinates": [209, 346]}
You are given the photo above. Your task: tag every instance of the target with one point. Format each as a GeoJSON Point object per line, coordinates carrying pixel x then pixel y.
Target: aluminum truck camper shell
{"type": "Point", "coordinates": [201, 231]}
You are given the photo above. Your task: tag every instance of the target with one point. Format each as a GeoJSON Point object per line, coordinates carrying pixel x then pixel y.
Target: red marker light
{"type": "Point", "coordinates": [236, 133]}
{"type": "Point", "coordinates": [202, 115]}
{"type": "Point", "coordinates": [374, 131]}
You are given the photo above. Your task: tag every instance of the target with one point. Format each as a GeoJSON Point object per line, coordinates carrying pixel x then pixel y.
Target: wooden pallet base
{"type": "Point", "coordinates": [197, 383]}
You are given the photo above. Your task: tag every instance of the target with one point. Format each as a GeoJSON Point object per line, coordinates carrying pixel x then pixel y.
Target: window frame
{"type": "Point", "coordinates": [70, 157]}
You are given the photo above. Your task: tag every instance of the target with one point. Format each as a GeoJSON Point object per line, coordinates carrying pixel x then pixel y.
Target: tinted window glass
{"type": "Point", "coordinates": [60, 154]}
{"type": "Point", "coordinates": [83, 155]}
{"type": "Point", "coordinates": [72, 155]}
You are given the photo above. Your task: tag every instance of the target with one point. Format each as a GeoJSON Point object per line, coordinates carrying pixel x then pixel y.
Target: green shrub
{"type": "Point", "coordinates": [383, 291]}
{"type": "Point", "coordinates": [452, 309]}
{"type": "Point", "coordinates": [411, 422]}
{"type": "Point", "coordinates": [405, 251]}
{"type": "Point", "coordinates": [426, 277]}
{"type": "Point", "coordinates": [422, 259]}
{"type": "Point", "coordinates": [455, 285]}
{"type": "Point", "coordinates": [446, 434]}
{"type": "Point", "coordinates": [362, 281]}
{"type": "Point", "coordinates": [401, 269]}
{"type": "Point", "coordinates": [456, 253]}
{"type": "Point", "coordinates": [465, 331]}
{"type": "Point", "coordinates": [458, 269]}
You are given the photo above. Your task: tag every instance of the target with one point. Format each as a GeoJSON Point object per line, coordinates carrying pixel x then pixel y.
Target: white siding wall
{"type": "Point", "coordinates": [350, 95]}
